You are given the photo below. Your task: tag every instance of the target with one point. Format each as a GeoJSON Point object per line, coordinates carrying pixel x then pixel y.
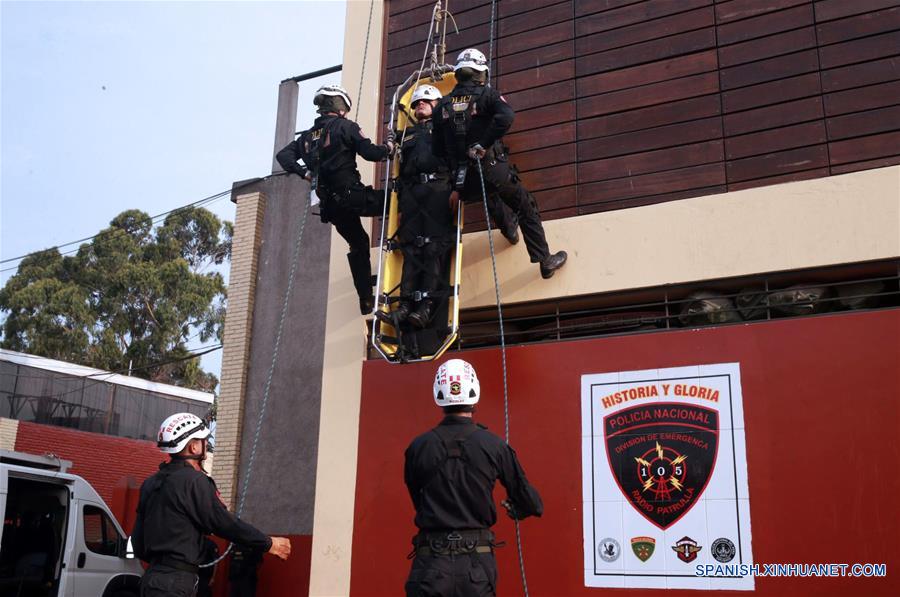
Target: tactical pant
{"type": "Point", "coordinates": [503, 179]}
{"type": "Point", "coordinates": [425, 232]}
{"type": "Point", "coordinates": [164, 581]}
{"type": "Point", "coordinates": [455, 575]}
{"type": "Point", "coordinates": [504, 218]}
{"type": "Point", "coordinates": [344, 209]}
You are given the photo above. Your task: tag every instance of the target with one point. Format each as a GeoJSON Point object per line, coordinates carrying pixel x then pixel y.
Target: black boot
{"type": "Point", "coordinates": [396, 316]}
{"type": "Point", "coordinates": [511, 234]}
{"type": "Point", "coordinates": [422, 316]}
{"type": "Point", "coordinates": [361, 272]}
{"type": "Point", "coordinates": [366, 305]}
{"type": "Point", "coordinates": [553, 263]}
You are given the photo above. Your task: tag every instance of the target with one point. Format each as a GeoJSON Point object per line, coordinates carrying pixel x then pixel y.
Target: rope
{"type": "Point", "coordinates": [265, 399]}
{"type": "Point", "coordinates": [487, 219]}
{"type": "Point", "coordinates": [491, 45]}
{"type": "Point", "coordinates": [387, 172]}
{"type": "Point", "coordinates": [362, 74]}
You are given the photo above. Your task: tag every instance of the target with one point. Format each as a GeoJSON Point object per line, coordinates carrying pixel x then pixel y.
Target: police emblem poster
{"type": "Point", "coordinates": [665, 478]}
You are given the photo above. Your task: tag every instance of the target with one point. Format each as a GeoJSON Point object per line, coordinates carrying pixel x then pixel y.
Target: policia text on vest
{"type": "Point", "coordinates": [469, 125]}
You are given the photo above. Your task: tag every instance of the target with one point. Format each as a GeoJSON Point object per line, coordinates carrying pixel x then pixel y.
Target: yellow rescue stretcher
{"type": "Point", "coordinates": [402, 344]}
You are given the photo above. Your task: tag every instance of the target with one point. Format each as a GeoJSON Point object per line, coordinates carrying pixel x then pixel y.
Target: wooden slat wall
{"type": "Point", "coordinates": [629, 102]}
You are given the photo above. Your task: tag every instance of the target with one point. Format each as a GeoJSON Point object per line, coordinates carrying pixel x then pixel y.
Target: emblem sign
{"type": "Point", "coordinates": [687, 549]}
{"type": "Point", "coordinates": [643, 547]}
{"type": "Point", "coordinates": [671, 448]}
{"type": "Point", "coordinates": [723, 550]}
{"type": "Point", "coordinates": [664, 464]}
{"type": "Point", "coordinates": [609, 550]}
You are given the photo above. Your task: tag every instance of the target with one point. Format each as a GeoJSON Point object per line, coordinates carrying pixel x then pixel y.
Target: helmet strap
{"type": "Point", "coordinates": [198, 457]}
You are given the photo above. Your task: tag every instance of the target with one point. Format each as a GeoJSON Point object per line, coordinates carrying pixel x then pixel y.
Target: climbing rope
{"type": "Point", "coordinates": [362, 73]}
{"type": "Point", "coordinates": [487, 219]}
{"type": "Point", "coordinates": [491, 43]}
{"type": "Point", "coordinates": [265, 399]}
{"type": "Point", "coordinates": [390, 162]}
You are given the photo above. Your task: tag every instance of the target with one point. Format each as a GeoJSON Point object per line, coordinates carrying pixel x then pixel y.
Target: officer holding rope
{"type": "Point", "coordinates": [450, 472]}
{"type": "Point", "coordinates": [178, 507]}
{"type": "Point", "coordinates": [469, 125]}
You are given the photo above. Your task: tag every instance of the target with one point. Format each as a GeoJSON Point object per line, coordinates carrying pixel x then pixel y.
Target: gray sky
{"type": "Point", "coordinates": [108, 106]}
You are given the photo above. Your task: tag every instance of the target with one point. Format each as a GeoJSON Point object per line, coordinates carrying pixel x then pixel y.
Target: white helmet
{"type": "Point", "coordinates": [332, 91]}
{"type": "Point", "coordinates": [455, 383]}
{"type": "Point", "coordinates": [178, 430]}
{"type": "Point", "coordinates": [471, 58]}
{"type": "Point", "coordinates": [424, 92]}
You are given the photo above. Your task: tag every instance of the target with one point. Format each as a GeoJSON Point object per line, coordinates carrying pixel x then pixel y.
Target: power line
{"type": "Point", "coordinates": [154, 220]}
{"type": "Point", "coordinates": [199, 203]}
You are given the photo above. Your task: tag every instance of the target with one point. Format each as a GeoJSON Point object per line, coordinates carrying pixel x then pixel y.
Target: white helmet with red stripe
{"type": "Point", "coordinates": [178, 430]}
{"type": "Point", "coordinates": [456, 384]}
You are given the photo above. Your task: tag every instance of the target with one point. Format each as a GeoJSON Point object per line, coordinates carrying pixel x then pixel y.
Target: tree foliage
{"type": "Point", "coordinates": [134, 296]}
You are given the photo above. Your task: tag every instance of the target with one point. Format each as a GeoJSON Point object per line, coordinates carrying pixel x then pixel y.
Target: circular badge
{"type": "Point", "coordinates": [609, 550]}
{"type": "Point", "coordinates": [723, 550]}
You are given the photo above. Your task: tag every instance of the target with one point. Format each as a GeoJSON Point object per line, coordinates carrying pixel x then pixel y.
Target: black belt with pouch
{"type": "Point", "coordinates": [442, 543]}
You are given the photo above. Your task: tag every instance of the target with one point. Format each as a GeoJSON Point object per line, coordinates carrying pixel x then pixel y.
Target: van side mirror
{"type": "Point", "coordinates": [126, 549]}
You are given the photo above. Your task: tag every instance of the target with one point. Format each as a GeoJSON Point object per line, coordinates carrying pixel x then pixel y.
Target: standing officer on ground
{"type": "Point", "coordinates": [426, 228]}
{"type": "Point", "coordinates": [329, 151]}
{"type": "Point", "coordinates": [450, 473]}
{"type": "Point", "coordinates": [178, 507]}
{"type": "Point", "coordinates": [469, 125]}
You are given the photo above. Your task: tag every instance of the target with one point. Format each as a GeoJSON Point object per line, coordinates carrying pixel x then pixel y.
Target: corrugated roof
{"type": "Point", "coordinates": [74, 370]}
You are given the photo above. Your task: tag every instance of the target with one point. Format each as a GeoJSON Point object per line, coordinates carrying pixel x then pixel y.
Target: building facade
{"type": "Point", "coordinates": [685, 154]}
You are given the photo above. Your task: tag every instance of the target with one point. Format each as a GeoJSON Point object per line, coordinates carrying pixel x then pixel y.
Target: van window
{"type": "Point", "coordinates": [100, 534]}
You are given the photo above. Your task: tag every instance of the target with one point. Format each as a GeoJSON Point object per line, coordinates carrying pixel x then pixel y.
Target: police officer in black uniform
{"type": "Point", "coordinates": [329, 151]}
{"type": "Point", "coordinates": [469, 124]}
{"type": "Point", "coordinates": [178, 507]}
{"type": "Point", "coordinates": [450, 473]}
{"type": "Point", "coordinates": [426, 227]}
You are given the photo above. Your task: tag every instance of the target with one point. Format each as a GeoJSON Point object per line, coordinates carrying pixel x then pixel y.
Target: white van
{"type": "Point", "coordinates": [59, 538]}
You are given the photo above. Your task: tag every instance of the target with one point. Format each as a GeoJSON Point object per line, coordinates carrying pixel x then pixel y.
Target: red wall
{"type": "Point", "coordinates": [104, 461]}
{"type": "Point", "coordinates": [276, 578]}
{"type": "Point", "coordinates": [117, 466]}
{"type": "Point", "coordinates": [822, 415]}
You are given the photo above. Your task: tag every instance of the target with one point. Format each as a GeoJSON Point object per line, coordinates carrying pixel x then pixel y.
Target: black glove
{"type": "Point", "coordinates": [510, 509]}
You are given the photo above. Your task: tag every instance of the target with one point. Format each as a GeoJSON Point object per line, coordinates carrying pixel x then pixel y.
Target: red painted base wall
{"type": "Point", "coordinates": [276, 578]}
{"type": "Point", "coordinates": [822, 416]}
{"type": "Point", "coordinates": [116, 467]}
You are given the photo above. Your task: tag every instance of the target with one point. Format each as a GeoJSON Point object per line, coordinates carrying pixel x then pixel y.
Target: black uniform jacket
{"type": "Point", "coordinates": [458, 494]}
{"type": "Point", "coordinates": [490, 119]}
{"type": "Point", "coordinates": [178, 507]}
{"type": "Point", "coordinates": [329, 150]}
{"type": "Point", "coordinates": [416, 155]}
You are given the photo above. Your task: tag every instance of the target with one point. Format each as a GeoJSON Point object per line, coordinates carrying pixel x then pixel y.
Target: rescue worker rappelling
{"type": "Point", "coordinates": [450, 472]}
{"type": "Point", "coordinates": [469, 125]}
{"type": "Point", "coordinates": [179, 506]}
{"type": "Point", "coordinates": [329, 151]}
{"type": "Point", "coordinates": [426, 231]}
